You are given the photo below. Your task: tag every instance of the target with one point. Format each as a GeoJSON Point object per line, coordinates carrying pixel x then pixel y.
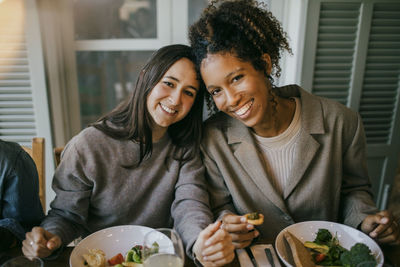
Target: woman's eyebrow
{"type": "Point", "coordinates": [233, 72]}
{"type": "Point", "coordinates": [194, 88]}
{"type": "Point", "coordinates": [226, 77]}
{"type": "Point", "coordinates": [176, 79]}
{"type": "Point", "coordinates": [172, 77]}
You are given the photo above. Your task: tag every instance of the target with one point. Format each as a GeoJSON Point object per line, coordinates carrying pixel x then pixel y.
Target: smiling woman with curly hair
{"type": "Point", "coordinates": [244, 28]}
{"type": "Point", "coordinates": [277, 151]}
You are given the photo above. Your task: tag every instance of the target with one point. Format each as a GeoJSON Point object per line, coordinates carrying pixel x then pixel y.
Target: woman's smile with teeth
{"type": "Point", "coordinates": [167, 109]}
{"type": "Point", "coordinates": [244, 109]}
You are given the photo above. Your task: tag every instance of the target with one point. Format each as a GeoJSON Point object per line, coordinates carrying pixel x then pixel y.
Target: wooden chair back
{"type": "Point", "coordinates": [37, 153]}
{"type": "Point", "coordinates": [57, 154]}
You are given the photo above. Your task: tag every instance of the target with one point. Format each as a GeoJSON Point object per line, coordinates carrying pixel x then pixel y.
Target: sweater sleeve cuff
{"type": "Point", "coordinates": [196, 261]}
{"type": "Point", "coordinates": [55, 253]}
{"type": "Point", "coordinates": [223, 213]}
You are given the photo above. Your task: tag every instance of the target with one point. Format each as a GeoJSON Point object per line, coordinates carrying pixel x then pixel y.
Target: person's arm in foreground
{"type": "Point", "coordinates": [214, 246]}
{"type": "Point", "coordinates": [193, 218]}
{"type": "Point", "coordinates": [66, 219]}
{"type": "Point", "coordinates": [40, 243]}
{"type": "Point", "coordinates": [357, 206]}
{"type": "Point", "coordinates": [382, 227]}
{"type": "Point", "coordinates": [21, 208]}
{"type": "Point", "coordinates": [242, 233]}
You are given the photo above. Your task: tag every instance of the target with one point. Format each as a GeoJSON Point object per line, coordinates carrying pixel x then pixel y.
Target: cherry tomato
{"type": "Point", "coordinates": [117, 259]}
{"type": "Point", "coordinates": [320, 257]}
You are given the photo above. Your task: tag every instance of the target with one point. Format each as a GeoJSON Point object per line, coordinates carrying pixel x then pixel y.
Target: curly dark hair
{"type": "Point", "coordinates": [242, 27]}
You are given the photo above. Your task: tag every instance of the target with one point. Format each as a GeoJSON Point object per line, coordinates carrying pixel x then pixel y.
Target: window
{"type": "Point", "coordinates": [352, 55]}
{"type": "Point", "coordinates": [113, 41]}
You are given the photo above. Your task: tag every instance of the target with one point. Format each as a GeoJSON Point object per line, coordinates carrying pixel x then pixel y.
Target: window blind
{"type": "Point", "coordinates": [336, 38]}
{"type": "Point", "coordinates": [17, 121]}
{"type": "Point", "coordinates": [382, 73]}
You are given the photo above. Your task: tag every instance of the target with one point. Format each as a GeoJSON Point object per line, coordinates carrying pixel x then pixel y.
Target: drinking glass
{"type": "Point", "coordinates": [367, 264]}
{"type": "Point", "coordinates": [163, 248]}
{"type": "Point", "coordinates": [24, 261]}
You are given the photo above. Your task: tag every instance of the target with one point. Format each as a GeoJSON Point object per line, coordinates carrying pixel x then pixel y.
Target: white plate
{"type": "Point", "coordinates": [113, 240]}
{"type": "Point", "coordinates": [307, 231]}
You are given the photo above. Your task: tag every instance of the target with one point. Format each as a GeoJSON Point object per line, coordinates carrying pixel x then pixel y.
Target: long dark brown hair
{"type": "Point", "coordinates": [132, 121]}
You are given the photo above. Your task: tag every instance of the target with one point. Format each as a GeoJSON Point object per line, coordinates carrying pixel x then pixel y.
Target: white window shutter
{"type": "Point", "coordinates": [336, 37]}
{"type": "Point", "coordinates": [17, 121]}
{"type": "Point", "coordinates": [24, 109]}
{"type": "Point", "coordinates": [352, 55]}
{"type": "Point", "coordinates": [382, 72]}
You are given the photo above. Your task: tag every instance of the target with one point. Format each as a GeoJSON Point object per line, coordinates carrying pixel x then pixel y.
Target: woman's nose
{"type": "Point", "coordinates": [232, 98]}
{"type": "Point", "coordinates": [175, 97]}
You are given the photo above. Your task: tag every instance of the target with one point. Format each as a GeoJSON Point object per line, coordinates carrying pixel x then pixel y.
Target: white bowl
{"type": "Point", "coordinates": [113, 240]}
{"type": "Point", "coordinates": [307, 231]}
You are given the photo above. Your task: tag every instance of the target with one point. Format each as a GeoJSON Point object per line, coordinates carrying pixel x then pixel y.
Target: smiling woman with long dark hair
{"type": "Point", "coordinates": [139, 165]}
{"type": "Point", "coordinates": [131, 120]}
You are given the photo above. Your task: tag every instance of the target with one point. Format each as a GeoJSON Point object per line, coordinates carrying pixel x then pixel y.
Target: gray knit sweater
{"type": "Point", "coordinates": [94, 190]}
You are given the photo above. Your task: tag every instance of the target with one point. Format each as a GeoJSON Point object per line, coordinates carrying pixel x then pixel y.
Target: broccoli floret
{"type": "Point", "coordinates": [361, 249]}
{"type": "Point", "coordinates": [323, 237]}
{"type": "Point", "coordinates": [359, 253]}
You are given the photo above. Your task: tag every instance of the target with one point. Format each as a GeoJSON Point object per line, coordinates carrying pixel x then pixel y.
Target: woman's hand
{"type": "Point", "coordinates": [214, 246]}
{"type": "Point", "coordinates": [242, 233]}
{"type": "Point", "coordinates": [40, 243]}
{"type": "Point", "coordinates": [382, 227]}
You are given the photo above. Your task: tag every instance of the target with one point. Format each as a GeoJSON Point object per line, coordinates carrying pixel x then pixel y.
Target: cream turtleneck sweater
{"type": "Point", "coordinates": [280, 151]}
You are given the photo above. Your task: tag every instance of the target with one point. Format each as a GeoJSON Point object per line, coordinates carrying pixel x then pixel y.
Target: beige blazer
{"type": "Point", "coordinates": [329, 180]}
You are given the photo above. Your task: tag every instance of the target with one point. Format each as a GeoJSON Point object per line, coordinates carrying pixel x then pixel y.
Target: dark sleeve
{"type": "Point", "coordinates": [21, 204]}
{"type": "Point", "coordinates": [7, 239]}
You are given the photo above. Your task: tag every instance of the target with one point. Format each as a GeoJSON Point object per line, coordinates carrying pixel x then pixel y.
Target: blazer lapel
{"type": "Point", "coordinates": [311, 123]}
{"type": "Point", "coordinates": [252, 162]}
{"type": "Point", "coordinates": [307, 148]}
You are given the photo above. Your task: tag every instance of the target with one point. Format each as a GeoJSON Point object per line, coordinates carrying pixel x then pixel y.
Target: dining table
{"type": "Point", "coordinates": [63, 259]}
{"type": "Point", "coordinates": [391, 254]}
